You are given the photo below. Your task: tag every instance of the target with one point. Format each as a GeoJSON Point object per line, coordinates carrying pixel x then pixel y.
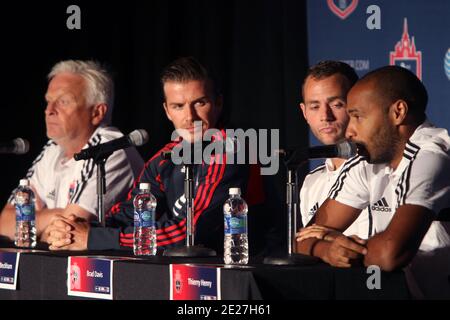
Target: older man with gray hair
{"type": "Point", "coordinates": [79, 107]}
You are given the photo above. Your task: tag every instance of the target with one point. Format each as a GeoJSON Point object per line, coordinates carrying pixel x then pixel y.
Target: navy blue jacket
{"type": "Point", "coordinates": [211, 189]}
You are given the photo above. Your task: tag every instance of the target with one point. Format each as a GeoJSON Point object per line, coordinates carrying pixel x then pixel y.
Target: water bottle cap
{"type": "Point", "coordinates": [144, 186]}
{"type": "Point", "coordinates": [24, 182]}
{"type": "Point", "coordinates": [235, 191]}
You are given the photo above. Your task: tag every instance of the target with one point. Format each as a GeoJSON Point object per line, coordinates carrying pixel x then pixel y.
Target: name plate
{"type": "Point", "coordinates": [194, 282]}
{"type": "Point", "coordinates": [9, 265]}
{"type": "Point", "coordinates": [91, 277]}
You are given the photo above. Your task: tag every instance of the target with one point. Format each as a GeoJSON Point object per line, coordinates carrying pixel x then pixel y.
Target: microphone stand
{"type": "Point", "coordinates": [101, 189]}
{"type": "Point", "coordinates": [293, 210]}
{"type": "Point", "coordinates": [100, 161]}
{"type": "Point", "coordinates": [99, 154]}
{"type": "Point", "coordinates": [190, 249]}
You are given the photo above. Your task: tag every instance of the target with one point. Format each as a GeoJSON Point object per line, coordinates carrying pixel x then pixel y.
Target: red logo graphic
{"type": "Point", "coordinates": [75, 281]}
{"type": "Point", "coordinates": [178, 282]}
{"type": "Point", "coordinates": [405, 54]}
{"type": "Point", "coordinates": [72, 188]}
{"type": "Point", "coordinates": [343, 8]}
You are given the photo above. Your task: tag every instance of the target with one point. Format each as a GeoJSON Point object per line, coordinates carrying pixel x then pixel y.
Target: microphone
{"type": "Point", "coordinates": [102, 151]}
{"type": "Point", "coordinates": [16, 146]}
{"type": "Point", "coordinates": [344, 150]}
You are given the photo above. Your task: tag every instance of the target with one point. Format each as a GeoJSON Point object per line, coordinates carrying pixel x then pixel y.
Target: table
{"type": "Point", "coordinates": [43, 275]}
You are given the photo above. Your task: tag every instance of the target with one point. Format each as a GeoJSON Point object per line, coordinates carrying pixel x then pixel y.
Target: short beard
{"type": "Point", "coordinates": [387, 142]}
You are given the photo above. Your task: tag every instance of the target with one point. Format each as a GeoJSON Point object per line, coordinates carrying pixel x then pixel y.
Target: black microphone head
{"type": "Point", "coordinates": [282, 152]}
{"type": "Point", "coordinates": [138, 137]}
{"type": "Point", "coordinates": [166, 155]}
{"type": "Point", "coordinates": [21, 146]}
{"type": "Point", "coordinates": [346, 149]}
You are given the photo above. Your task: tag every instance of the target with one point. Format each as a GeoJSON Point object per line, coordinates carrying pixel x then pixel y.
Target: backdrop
{"type": "Point", "coordinates": [369, 34]}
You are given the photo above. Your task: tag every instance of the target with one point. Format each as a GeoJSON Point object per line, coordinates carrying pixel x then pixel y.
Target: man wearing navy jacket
{"type": "Point", "coordinates": [190, 96]}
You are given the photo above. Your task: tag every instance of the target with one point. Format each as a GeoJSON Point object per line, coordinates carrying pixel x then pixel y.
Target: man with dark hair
{"type": "Point", "coordinates": [187, 68]}
{"type": "Point", "coordinates": [328, 68]}
{"type": "Point", "coordinates": [324, 92]}
{"type": "Point", "coordinates": [403, 171]}
{"type": "Point", "coordinates": [183, 76]}
{"type": "Point", "coordinates": [188, 97]}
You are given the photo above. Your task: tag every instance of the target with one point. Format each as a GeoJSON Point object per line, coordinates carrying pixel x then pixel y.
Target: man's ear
{"type": "Point", "coordinates": [303, 108]}
{"type": "Point", "coordinates": [99, 113]}
{"type": "Point", "coordinates": [399, 111]}
{"type": "Point", "coordinates": [167, 111]}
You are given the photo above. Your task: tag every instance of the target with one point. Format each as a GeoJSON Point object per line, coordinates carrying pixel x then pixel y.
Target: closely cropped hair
{"type": "Point", "coordinates": [188, 69]}
{"type": "Point", "coordinates": [396, 83]}
{"type": "Point", "coordinates": [328, 68]}
{"type": "Point", "coordinates": [100, 87]}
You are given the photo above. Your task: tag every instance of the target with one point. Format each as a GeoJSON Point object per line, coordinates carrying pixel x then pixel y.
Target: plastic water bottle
{"type": "Point", "coordinates": [25, 216]}
{"type": "Point", "coordinates": [144, 222]}
{"type": "Point", "coordinates": [236, 240]}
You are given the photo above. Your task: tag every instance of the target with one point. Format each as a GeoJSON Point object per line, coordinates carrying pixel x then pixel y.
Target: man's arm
{"type": "Point", "coordinates": [396, 246]}
{"type": "Point", "coordinates": [342, 250]}
{"type": "Point", "coordinates": [44, 218]}
{"type": "Point", "coordinates": [391, 249]}
{"type": "Point", "coordinates": [336, 215]}
{"type": "Point", "coordinates": [8, 221]}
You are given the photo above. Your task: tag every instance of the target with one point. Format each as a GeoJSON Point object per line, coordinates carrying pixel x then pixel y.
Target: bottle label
{"type": "Point", "coordinates": [235, 225]}
{"type": "Point", "coordinates": [25, 212]}
{"type": "Point", "coordinates": [144, 218]}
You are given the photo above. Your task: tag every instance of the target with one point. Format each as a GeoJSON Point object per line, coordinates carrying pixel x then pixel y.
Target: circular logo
{"type": "Point", "coordinates": [146, 215]}
{"type": "Point", "coordinates": [27, 210]}
{"type": "Point", "coordinates": [447, 64]}
{"type": "Point", "coordinates": [236, 223]}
